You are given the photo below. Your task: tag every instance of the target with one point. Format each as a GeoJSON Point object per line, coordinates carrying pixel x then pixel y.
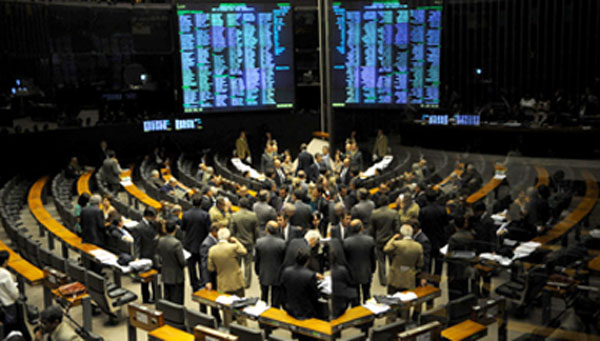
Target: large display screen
{"type": "Point", "coordinates": [386, 53]}
{"type": "Point", "coordinates": [236, 56]}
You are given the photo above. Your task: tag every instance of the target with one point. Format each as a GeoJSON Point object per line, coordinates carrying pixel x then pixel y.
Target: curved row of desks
{"type": "Point", "coordinates": [22, 268]}
{"type": "Point", "coordinates": [135, 194]}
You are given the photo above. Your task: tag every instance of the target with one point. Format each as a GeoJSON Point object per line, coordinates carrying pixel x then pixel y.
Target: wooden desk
{"type": "Point", "coordinates": [594, 264]}
{"type": "Point", "coordinates": [135, 192]}
{"type": "Point", "coordinates": [577, 215]}
{"type": "Point", "coordinates": [25, 270]}
{"type": "Point", "coordinates": [485, 190]}
{"type": "Point", "coordinates": [83, 183]}
{"type": "Point", "coordinates": [457, 172]}
{"type": "Point", "coordinates": [543, 178]}
{"type": "Point", "coordinates": [169, 333]}
{"type": "Point", "coordinates": [84, 299]}
{"type": "Point", "coordinates": [467, 330]}
{"type": "Point", "coordinates": [166, 174]}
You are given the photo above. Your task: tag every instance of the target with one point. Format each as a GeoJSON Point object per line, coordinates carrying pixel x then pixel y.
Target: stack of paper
{"type": "Point", "coordinates": [242, 168]}
{"type": "Point", "coordinates": [504, 261]}
{"type": "Point", "coordinates": [103, 256]}
{"type": "Point", "coordinates": [227, 299]}
{"type": "Point", "coordinates": [257, 309]}
{"type": "Point", "coordinates": [525, 249]}
{"type": "Point", "coordinates": [406, 296]}
{"type": "Point", "coordinates": [376, 308]}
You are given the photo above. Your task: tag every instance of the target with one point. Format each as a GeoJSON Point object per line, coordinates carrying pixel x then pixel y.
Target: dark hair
{"type": "Point", "coordinates": [245, 203]}
{"type": "Point", "coordinates": [302, 257]}
{"type": "Point", "coordinates": [544, 191]}
{"type": "Point", "coordinates": [263, 195]}
{"type": "Point", "coordinates": [110, 153]}
{"type": "Point", "coordinates": [170, 226]}
{"type": "Point", "coordinates": [354, 228]}
{"type": "Point", "coordinates": [83, 199]}
{"type": "Point", "coordinates": [479, 206]}
{"type": "Point", "coordinates": [299, 194]}
{"type": "Point", "coordinates": [362, 194]}
{"type": "Point", "coordinates": [116, 219]}
{"type": "Point", "coordinates": [431, 194]}
{"type": "Point", "coordinates": [383, 200]}
{"type": "Point", "coordinates": [215, 226]}
{"type": "Point", "coordinates": [197, 200]}
{"type": "Point", "coordinates": [459, 222]}
{"type": "Point", "coordinates": [150, 212]}
{"type": "Point", "coordinates": [4, 255]}
{"type": "Point", "coordinates": [52, 314]}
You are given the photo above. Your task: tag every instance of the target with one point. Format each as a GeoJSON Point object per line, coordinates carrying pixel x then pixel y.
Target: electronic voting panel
{"type": "Point", "coordinates": [236, 56]}
{"type": "Point", "coordinates": [386, 53]}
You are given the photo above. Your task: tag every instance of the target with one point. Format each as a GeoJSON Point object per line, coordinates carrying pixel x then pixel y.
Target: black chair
{"type": "Point", "coordinates": [389, 331]}
{"type": "Point", "coordinates": [45, 257]}
{"type": "Point", "coordinates": [524, 293]}
{"type": "Point", "coordinates": [75, 271]}
{"type": "Point", "coordinates": [58, 262]}
{"type": "Point", "coordinates": [454, 312]}
{"type": "Point", "coordinates": [245, 333]}
{"type": "Point", "coordinates": [108, 300]}
{"type": "Point", "coordinates": [173, 313]}
{"type": "Point", "coordinates": [194, 318]}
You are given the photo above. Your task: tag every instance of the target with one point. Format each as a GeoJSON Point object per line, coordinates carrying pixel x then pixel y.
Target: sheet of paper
{"type": "Point", "coordinates": [376, 308]}
{"type": "Point", "coordinates": [406, 296]}
{"type": "Point", "coordinates": [444, 250]}
{"type": "Point", "coordinates": [227, 299]}
{"type": "Point", "coordinates": [257, 309]}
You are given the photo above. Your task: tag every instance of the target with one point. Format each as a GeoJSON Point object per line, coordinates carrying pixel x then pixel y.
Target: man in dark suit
{"type": "Point", "coordinates": [485, 239]}
{"type": "Point", "coordinates": [359, 250]}
{"type": "Point", "coordinates": [340, 231]}
{"type": "Point", "coordinates": [356, 159]}
{"type": "Point", "coordinates": [264, 211]}
{"type": "Point", "coordinates": [267, 158]}
{"type": "Point", "coordinates": [92, 222]}
{"type": "Point", "coordinates": [279, 173]}
{"type": "Point", "coordinates": [458, 270]}
{"type": "Point", "coordinates": [364, 208]}
{"type": "Point", "coordinates": [288, 231]}
{"type": "Point", "coordinates": [385, 223]}
{"type": "Point", "coordinates": [269, 254]}
{"type": "Point", "coordinates": [244, 226]}
{"type": "Point", "coordinates": [305, 159]}
{"type": "Point", "coordinates": [422, 239]}
{"type": "Point", "coordinates": [209, 278]}
{"type": "Point", "coordinates": [144, 235]}
{"type": "Point", "coordinates": [303, 213]}
{"type": "Point", "coordinates": [111, 171]}
{"type": "Point", "coordinates": [300, 290]}
{"type": "Point", "coordinates": [308, 243]}
{"type": "Point", "coordinates": [195, 223]}
{"type": "Point", "coordinates": [433, 219]}
{"type": "Point", "coordinates": [345, 172]}
{"type": "Point", "coordinates": [172, 262]}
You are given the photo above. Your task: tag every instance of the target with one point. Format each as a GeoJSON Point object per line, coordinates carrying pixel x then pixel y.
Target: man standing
{"type": "Point", "coordinates": [144, 235]}
{"type": "Point", "coordinates": [433, 219]}
{"type": "Point", "coordinates": [264, 211]}
{"type": "Point", "coordinates": [340, 231]}
{"type": "Point", "coordinates": [209, 278]}
{"type": "Point", "coordinates": [300, 291]}
{"type": "Point", "coordinates": [170, 252]}
{"type": "Point", "coordinates": [303, 213]}
{"type": "Point", "coordinates": [269, 251]}
{"type": "Point", "coordinates": [220, 213]}
{"type": "Point", "coordinates": [92, 222]}
{"type": "Point", "coordinates": [242, 149]}
{"type": "Point", "coordinates": [384, 224]}
{"type": "Point", "coordinates": [458, 269]}
{"type": "Point", "coordinates": [223, 259]}
{"type": "Point", "coordinates": [111, 171]}
{"type": "Point", "coordinates": [359, 249]}
{"type": "Point", "coordinates": [244, 226]}
{"type": "Point", "coordinates": [364, 208]}
{"type": "Point", "coordinates": [195, 223]}
{"type": "Point", "coordinates": [305, 159]}
{"type": "Point", "coordinates": [381, 146]}
{"type": "Point", "coordinates": [406, 257]}
{"type": "Point", "coordinates": [288, 231]}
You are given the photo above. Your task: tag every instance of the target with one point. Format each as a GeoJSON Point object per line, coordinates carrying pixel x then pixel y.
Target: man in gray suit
{"type": "Point", "coordinates": [287, 230]}
{"type": "Point", "coordinates": [270, 251]}
{"type": "Point", "coordinates": [111, 171]}
{"type": "Point", "coordinates": [92, 223]}
{"type": "Point", "coordinates": [385, 223]}
{"type": "Point", "coordinates": [303, 214]}
{"type": "Point", "coordinates": [264, 211]}
{"type": "Point", "coordinates": [244, 226]}
{"type": "Point", "coordinates": [144, 236]}
{"type": "Point", "coordinates": [359, 250]}
{"type": "Point", "coordinates": [364, 208]}
{"type": "Point", "coordinates": [172, 262]}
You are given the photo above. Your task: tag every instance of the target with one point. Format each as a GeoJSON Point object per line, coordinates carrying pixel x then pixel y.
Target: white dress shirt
{"type": "Point", "coordinates": [9, 292]}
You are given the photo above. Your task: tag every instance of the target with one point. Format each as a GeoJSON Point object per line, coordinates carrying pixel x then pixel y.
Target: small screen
{"type": "Point", "coordinates": [189, 124]}
{"type": "Point", "coordinates": [236, 56]}
{"type": "Point", "coordinates": [157, 125]}
{"type": "Point", "coordinates": [467, 120]}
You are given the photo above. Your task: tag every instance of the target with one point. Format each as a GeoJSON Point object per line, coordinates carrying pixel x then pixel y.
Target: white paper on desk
{"type": "Point", "coordinates": [227, 299]}
{"type": "Point", "coordinates": [103, 256]}
{"type": "Point", "coordinates": [406, 296]}
{"type": "Point", "coordinates": [126, 182]}
{"type": "Point", "coordinates": [130, 223]}
{"type": "Point", "coordinates": [257, 309]}
{"type": "Point", "coordinates": [325, 285]}
{"type": "Point", "coordinates": [376, 308]}
{"type": "Point", "coordinates": [500, 176]}
{"type": "Point", "coordinates": [186, 254]}
{"type": "Point", "coordinates": [444, 250]}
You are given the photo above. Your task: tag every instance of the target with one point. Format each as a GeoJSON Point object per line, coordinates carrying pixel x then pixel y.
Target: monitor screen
{"type": "Point", "coordinates": [188, 124]}
{"type": "Point", "coordinates": [386, 53]}
{"type": "Point", "coordinates": [236, 56]}
{"type": "Point", "coordinates": [157, 125]}
{"type": "Point", "coordinates": [468, 120]}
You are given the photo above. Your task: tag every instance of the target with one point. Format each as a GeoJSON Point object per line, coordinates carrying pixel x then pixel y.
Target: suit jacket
{"type": "Point", "coordinates": [223, 258]}
{"type": "Point", "coordinates": [406, 257]}
{"type": "Point", "coordinates": [172, 261]}
{"type": "Point", "coordinates": [216, 215]}
{"type": "Point", "coordinates": [300, 292]}
{"type": "Point", "coordinates": [313, 172]}
{"type": "Point", "coordinates": [485, 234]}
{"type": "Point", "coordinates": [294, 233]}
{"type": "Point", "coordinates": [432, 219]}
{"type": "Point", "coordinates": [111, 172]}
{"type": "Point", "coordinates": [269, 254]}
{"type": "Point", "coordinates": [363, 211]}
{"type": "Point", "coordinates": [345, 175]}
{"type": "Point", "coordinates": [384, 224]}
{"type": "Point", "coordinates": [422, 239]}
{"type": "Point", "coordinates": [196, 224]}
{"type": "Point", "coordinates": [145, 240]}
{"type": "Point", "coordinates": [356, 160]}
{"type": "Point", "coordinates": [207, 276]}
{"type": "Point", "coordinates": [381, 146]}
{"type": "Point", "coordinates": [264, 213]}
{"type": "Point", "coordinates": [291, 251]}
{"type": "Point", "coordinates": [461, 240]}
{"type": "Point", "coordinates": [266, 162]}
{"type": "Point", "coordinates": [302, 216]}
{"type": "Point", "coordinates": [244, 226]}
{"type": "Point", "coordinates": [336, 232]}
{"type": "Point", "coordinates": [360, 256]}
{"type": "Point", "coordinates": [92, 226]}
{"type": "Point", "coordinates": [411, 212]}
{"type": "Point", "coordinates": [344, 288]}
{"type": "Point", "coordinates": [242, 149]}
{"type": "Point", "coordinates": [305, 159]}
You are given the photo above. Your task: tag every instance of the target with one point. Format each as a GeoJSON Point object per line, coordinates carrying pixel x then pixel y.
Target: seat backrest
{"type": "Point", "coordinates": [194, 318]}
{"type": "Point", "coordinates": [32, 247]}
{"type": "Point", "coordinates": [388, 331]}
{"type": "Point", "coordinates": [173, 313]}
{"type": "Point", "coordinates": [45, 257]}
{"type": "Point", "coordinates": [95, 285]}
{"type": "Point", "coordinates": [245, 333]}
{"type": "Point", "coordinates": [76, 272]}
{"type": "Point", "coordinates": [58, 263]}
{"type": "Point", "coordinates": [459, 309]}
